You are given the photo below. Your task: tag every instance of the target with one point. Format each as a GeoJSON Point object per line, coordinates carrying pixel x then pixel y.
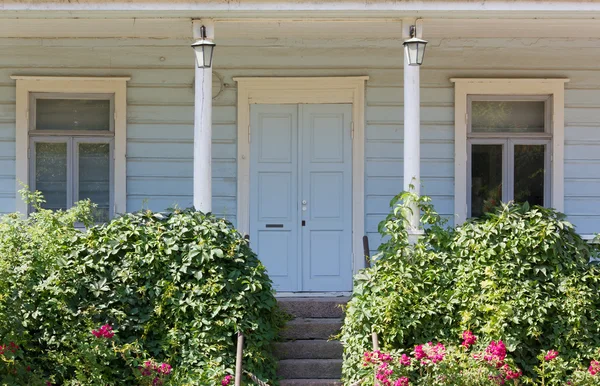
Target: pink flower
{"type": "Point", "coordinates": [405, 360]}
{"type": "Point", "coordinates": [552, 354]}
{"type": "Point", "coordinates": [594, 367]}
{"type": "Point", "coordinates": [164, 368]}
{"type": "Point", "coordinates": [226, 380]}
{"type": "Point", "coordinates": [104, 332]}
{"type": "Point", "coordinates": [157, 382]}
{"type": "Point", "coordinates": [510, 373]}
{"type": "Point", "coordinates": [419, 353]}
{"type": "Point", "coordinates": [495, 353]}
{"type": "Point", "coordinates": [468, 339]}
{"type": "Point", "coordinates": [385, 357]}
{"type": "Point", "coordinates": [402, 381]}
{"type": "Point", "coordinates": [146, 372]}
{"type": "Point", "coordinates": [430, 353]}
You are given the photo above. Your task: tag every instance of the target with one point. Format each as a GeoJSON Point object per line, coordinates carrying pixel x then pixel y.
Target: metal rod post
{"type": "Point", "coordinates": [238, 359]}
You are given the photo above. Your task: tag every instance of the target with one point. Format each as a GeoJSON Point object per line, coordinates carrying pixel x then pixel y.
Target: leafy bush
{"type": "Point", "coordinates": [470, 364]}
{"type": "Point", "coordinates": [521, 274]}
{"type": "Point", "coordinates": [147, 296]}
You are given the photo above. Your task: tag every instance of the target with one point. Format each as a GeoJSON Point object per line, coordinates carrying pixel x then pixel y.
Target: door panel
{"type": "Point", "coordinates": [274, 192]}
{"type": "Point", "coordinates": [302, 153]}
{"type": "Point", "coordinates": [326, 186]}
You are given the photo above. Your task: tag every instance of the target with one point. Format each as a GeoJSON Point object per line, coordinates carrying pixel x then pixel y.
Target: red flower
{"type": "Point", "coordinates": [495, 353]}
{"type": "Point", "coordinates": [430, 353]}
{"type": "Point", "coordinates": [226, 380]}
{"type": "Point", "coordinates": [12, 347]}
{"type": "Point", "coordinates": [405, 360]}
{"type": "Point", "coordinates": [594, 367]}
{"type": "Point", "coordinates": [552, 354]}
{"type": "Point", "coordinates": [402, 381]}
{"type": "Point", "coordinates": [468, 339]}
{"type": "Point", "coordinates": [164, 368]}
{"type": "Point", "coordinates": [510, 373]}
{"type": "Point", "coordinates": [104, 332]}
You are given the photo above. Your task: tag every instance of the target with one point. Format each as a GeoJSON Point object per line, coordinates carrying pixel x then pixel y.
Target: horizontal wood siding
{"type": "Point", "coordinates": [160, 107]}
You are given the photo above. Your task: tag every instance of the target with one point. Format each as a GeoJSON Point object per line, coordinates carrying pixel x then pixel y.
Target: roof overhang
{"type": "Point", "coordinates": [296, 8]}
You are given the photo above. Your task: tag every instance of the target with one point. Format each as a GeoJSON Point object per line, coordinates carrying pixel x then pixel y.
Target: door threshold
{"type": "Point", "coordinates": [312, 294]}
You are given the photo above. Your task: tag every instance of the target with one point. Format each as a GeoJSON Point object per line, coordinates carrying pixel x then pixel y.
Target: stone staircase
{"type": "Point", "coordinates": [306, 357]}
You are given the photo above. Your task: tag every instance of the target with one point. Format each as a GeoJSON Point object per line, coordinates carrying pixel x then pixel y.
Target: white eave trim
{"type": "Point", "coordinates": [67, 78]}
{"type": "Point", "coordinates": [509, 80]}
{"type": "Point", "coordinates": [300, 5]}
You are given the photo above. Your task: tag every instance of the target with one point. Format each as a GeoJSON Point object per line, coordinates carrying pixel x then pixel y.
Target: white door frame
{"type": "Point", "coordinates": [298, 90]}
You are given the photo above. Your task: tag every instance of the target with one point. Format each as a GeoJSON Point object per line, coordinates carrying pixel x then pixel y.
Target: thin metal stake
{"type": "Point", "coordinates": [375, 340]}
{"type": "Point", "coordinates": [238, 359]}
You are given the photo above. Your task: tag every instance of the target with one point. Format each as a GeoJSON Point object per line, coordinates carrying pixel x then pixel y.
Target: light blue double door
{"type": "Point", "coordinates": [301, 195]}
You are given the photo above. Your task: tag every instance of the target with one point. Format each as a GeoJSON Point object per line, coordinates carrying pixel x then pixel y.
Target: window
{"type": "Point", "coordinates": [71, 146]}
{"type": "Point", "coordinates": [508, 151]}
{"type": "Point", "coordinates": [509, 143]}
{"type": "Point", "coordinates": [71, 141]}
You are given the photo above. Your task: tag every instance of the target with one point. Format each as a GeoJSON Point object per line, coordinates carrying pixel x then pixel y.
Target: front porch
{"type": "Point", "coordinates": [301, 60]}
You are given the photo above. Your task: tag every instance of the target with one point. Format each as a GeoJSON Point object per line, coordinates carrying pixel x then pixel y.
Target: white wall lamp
{"type": "Point", "coordinates": [414, 48]}
{"type": "Point", "coordinates": [204, 49]}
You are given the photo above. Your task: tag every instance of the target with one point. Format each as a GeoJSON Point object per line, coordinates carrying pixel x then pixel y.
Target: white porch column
{"type": "Point", "coordinates": [203, 126]}
{"type": "Point", "coordinates": [412, 129]}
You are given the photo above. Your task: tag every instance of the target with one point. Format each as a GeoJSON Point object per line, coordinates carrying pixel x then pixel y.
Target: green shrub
{"type": "Point", "coordinates": [175, 288]}
{"type": "Point", "coordinates": [521, 274]}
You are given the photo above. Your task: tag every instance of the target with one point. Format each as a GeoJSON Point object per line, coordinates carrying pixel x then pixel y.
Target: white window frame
{"type": "Point", "coordinates": [511, 88]}
{"type": "Point", "coordinates": [70, 87]}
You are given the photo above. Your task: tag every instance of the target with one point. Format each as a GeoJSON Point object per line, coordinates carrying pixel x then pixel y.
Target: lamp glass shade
{"type": "Point", "coordinates": [415, 51]}
{"type": "Point", "coordinates": [204, 53]}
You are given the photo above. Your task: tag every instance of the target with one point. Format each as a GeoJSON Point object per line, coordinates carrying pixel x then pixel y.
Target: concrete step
{"type": "Point", "coordinates": [310, 382]}
{"type": "Point", "coordinates": [311, 328]}
{"type": "Point", "coordinates": [308, 349]}
{"type": "Point", "coordinates": [314, 307]}
{"type": "Point", "coordinates": [310, 369]}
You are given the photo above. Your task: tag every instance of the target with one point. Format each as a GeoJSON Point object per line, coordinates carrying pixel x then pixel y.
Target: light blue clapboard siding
{"type": "Point", "coordinates": [582, 158]}
{"type": "Point", "coordinates": [160, 110]}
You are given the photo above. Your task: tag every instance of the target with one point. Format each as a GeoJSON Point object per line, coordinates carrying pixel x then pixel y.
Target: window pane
{"type": "Point", "coordinates": [529, 173]}
{"type": "Point", "coordinates": [486, 178]}
{"type": "Point", "coordinates": [72, 114]}
{"type": "Point", "coordinates": [94, 177]}
{"type": "Point", "coordinates": [51, 174]}
{"type": "Point", "coordinates": [508, 116]}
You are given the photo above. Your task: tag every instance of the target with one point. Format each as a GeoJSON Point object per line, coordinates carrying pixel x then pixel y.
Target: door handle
{"type": "Point", "coordinates": [303, 223]}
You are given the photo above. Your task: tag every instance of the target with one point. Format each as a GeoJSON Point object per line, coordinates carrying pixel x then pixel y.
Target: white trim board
{"type": "Point", "coordinates": [463, 87]}
{"type": "Point", "coordinates": [26, 85]}
{"type": "Point", "coordinates": [272, 90]}
{"type": "Point", "coordinates": [416, 6]}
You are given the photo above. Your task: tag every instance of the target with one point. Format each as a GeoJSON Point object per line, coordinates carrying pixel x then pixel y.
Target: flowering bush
{"type": "Point", "coordinates": [519, 274]}
{"type": "Point", "coordinates": [148, 298]}
{"type": "Point", "coordinates": [468, 365]}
